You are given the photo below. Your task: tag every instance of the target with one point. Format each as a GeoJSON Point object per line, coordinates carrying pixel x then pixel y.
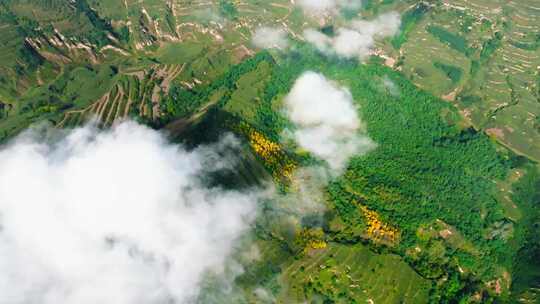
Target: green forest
{"type": "Point", "coordinates": [431, 173]}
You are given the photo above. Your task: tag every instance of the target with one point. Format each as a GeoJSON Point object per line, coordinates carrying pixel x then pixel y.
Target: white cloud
{"type": "Point", "coordinates": [350, 4]}
{"type": "Point", "coordinates": [390, 86]}
{"type": "Point", "coordinates": [268, 37]}
{"type": "Point", "coordinates": [264, 296]}
{"type": "Point", "coordinates": [357, 39]}
{"type": "Point", "coordinates": [327, 121]}
{"type": "Point", "coordinates": [116, 216]}
{"type": "Point", "coordinates": [384, 25]}
{"type": "Point", "coordinates": [318, 39]}
{"type": "Point", "coordinates": [251, 254]}
{"type": "Point", "coordinates": [328, 6]}
{"type": "Point", "coordinates": [350, 43]}
{"type": "Point", "coordinates": [317, 5]}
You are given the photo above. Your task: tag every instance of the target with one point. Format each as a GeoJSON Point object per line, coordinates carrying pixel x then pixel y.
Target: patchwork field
{"type": "Point", "coordinates": [496, 47]}
{"type": "Point", "coordinates": [347, 274]}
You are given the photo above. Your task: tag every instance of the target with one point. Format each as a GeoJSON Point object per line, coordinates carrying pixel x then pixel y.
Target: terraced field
{"type": "Point", "coordinates": [494, 82]}
{"type": "Point", "coordinates": [353, 274]}
{"type": "Point", "coordinates": [153, 46]}
{"type": "Point", "coordinates": [499, 90]}
{"type": "Point", "coordinates": [136, 93]}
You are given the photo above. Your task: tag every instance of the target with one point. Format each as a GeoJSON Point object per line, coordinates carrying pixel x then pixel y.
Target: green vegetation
{"type": "Point", "coordinates": [408, 21]}
{"type": "Point", "coordinates": [467, 22]}
{"type": "Point", "coordinates": [488, 49]}
{"type": "Point", "coordinates": [102, 27]}
{"type": "Point", "coordinates": [494, 69]}
{"type": "Point", "coordinates": [80, 85]}
{"type": "Point", "coordinates": [374, 6]}
{"type": "Point", "coordinates": [449, 237]}
{"type": "Point", "coordinates": [455, 41]}
{"type": "Point", "coordinates": [452, 72]}
{"type": "Point", "coordinates": [228, 9]}
{"type": "Point", "coordinates": [179, 52]}
{"type": "Point", "coordinates": [181, 102]}
{"type": "Point", "coordinates": [469, 100]}
{"type": "Point", "coordinates": [354, 274]}
{"type": "Point", "coordinates": [532, 45]}
{"type": "Point", "coordinates": [526, 269]}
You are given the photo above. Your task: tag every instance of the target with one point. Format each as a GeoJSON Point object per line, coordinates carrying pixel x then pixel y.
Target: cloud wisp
{"type": "Point", "coordinates": [270, 37]}
{"type": "Point", "coordinates": [318, 7]}
{"type": "Point", "coordinates": [118, 216]}
{"type": "Point", "coordinates": [356, 39]}
{"type": "Point", "coordinates": [326, 119]}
